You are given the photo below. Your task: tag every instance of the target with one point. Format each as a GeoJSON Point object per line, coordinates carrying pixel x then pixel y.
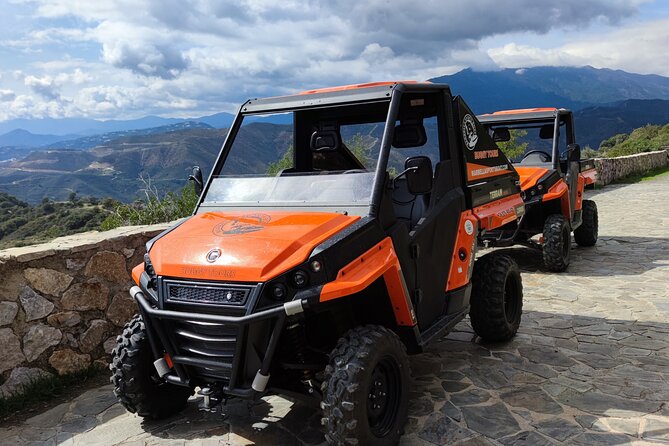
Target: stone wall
{"type": "Point", "coordinates": [611, 169]}
{"type": "Point", "coordinates": [63, 303]}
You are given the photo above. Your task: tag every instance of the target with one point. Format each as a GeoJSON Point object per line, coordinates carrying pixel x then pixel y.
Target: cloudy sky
{"type": "Point", "coordinates": [121, 59]}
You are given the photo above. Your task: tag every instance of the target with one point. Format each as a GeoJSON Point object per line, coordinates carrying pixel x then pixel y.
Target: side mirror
{"type": "Point", "coordinates": [196, 178]}
{"type": "Point", "coordinates": [574, 152]}
{"type": "Point", "coordinates": [418, 174]}
{"type": "Point", "coordinates": [501, 134]}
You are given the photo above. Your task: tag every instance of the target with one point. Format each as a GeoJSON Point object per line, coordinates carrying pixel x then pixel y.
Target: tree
{"type": "Point", "coordinates": [286, 162]}
{"type": "Point", "coordinates": [513, 148]}
{"type": "Point", "coordinates": [359, 149]}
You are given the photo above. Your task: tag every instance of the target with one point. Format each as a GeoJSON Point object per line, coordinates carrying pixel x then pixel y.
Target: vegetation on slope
{"type": "Point", "coordinates": [23, 224]}
{"type": "Point", "coordinates": [643, 139]}
{"type": "Point", "coordinates": [154, 208]}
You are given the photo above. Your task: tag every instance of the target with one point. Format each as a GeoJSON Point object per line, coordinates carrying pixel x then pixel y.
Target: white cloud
{"type": "Point", "coordinates": [640, 49]}
{"type": "Point", "coordinates": [128, 58]}
{"type": "Point", "coordinates": [7, 95]}
{"type": "Point", "coordinates": [45, 86]}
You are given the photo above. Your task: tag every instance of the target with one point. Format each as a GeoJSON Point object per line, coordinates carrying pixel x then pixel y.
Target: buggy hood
{"type": "Point", "coordinates": [243, 246]}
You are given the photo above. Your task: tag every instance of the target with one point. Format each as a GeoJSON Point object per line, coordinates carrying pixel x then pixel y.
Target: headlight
{"type": "Point", "coordinates": [279, 291]}
{"type": "Point", "coordinates": [300, 279]}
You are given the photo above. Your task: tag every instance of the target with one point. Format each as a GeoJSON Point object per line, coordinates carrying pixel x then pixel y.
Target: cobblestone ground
{"type": "Point", "coordinates": [590, 365]}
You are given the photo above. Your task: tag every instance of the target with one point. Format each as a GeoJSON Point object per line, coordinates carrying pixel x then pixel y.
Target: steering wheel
{"type": "Point", "coordinates": [546, 158]}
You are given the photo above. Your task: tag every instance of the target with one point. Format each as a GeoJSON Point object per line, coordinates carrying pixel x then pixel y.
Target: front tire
{"type": "Point", "coordinates": [497, 297]}
{"type": "Point", "coordinates": [136, 382]}
{"type": "Point", "coordinates": [586, 234]}
{"type": "Point", "coordinates": [366, 388]}
{"type": "Point", "coordinates": [557, 243]}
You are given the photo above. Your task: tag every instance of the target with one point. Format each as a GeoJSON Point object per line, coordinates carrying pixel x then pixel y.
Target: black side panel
{"type": "Point", "coordinates": [488, 172]}
{"type": "Point", "coordinates": [433, 241]}
{"type": "Point", "coordinates": [345, 246]}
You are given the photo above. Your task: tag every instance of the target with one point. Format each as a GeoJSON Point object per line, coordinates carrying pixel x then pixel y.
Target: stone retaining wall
{"type": "Point", "coordinates": [63, 303]}
{"type": "Point", "coordinates": [611, 169]}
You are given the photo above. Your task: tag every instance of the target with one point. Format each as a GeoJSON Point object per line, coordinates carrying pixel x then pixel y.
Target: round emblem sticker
{"type": "Point", "coordinates": [213, 255]}
{"type": "Point", "coordinates": [469, 134]}
{"type": "Point", "coordinates": [469, 227]}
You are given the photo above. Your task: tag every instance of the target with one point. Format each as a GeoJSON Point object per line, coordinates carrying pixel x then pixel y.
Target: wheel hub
{"type": "Point", "coordinates": [383, 396]}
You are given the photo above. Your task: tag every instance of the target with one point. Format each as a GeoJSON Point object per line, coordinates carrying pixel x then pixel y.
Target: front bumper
{"type": "Point", "coordinates": [162, 340]}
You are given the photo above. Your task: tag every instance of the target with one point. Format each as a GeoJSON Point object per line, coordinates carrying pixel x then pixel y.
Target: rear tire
{"type": "Point", "coordinates": [586, 234]}
{"type": "Point", "coordinates": [366, 388]}
{"type": "Point", "coordinates": [136, 382]}
{"type": "Point", "coordinates": [557, 243]}
{"type": "Point", "coordinates": [497, 297]}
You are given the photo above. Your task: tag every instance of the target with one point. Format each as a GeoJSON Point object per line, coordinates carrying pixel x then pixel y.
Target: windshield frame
{"type": "Point", "coordinates": [392, 94]}
{"type": "Point", "coordinates": [360, 208]}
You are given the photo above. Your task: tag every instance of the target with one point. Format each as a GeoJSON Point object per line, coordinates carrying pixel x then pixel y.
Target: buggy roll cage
{"type": "Point", "coordinates": [556, 116]}
{"type": "Point", "coordinates": [356, 94]}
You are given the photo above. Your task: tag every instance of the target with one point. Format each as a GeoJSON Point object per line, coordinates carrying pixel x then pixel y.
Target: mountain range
{"type": "Point", "coordinates": [565, 87]}
{"type": "Point", "coordinates": [53, 157]}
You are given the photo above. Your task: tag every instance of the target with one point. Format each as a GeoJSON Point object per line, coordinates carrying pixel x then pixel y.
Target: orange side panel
{"type": "Point", "coordinates": [246, 246]}
{"type": "Point", "coordinates": [498, 213]}
{"type": "Point", "coordinates": [379, 261]}
{"type": "Point", "coordinates": [579, 193]}
{"type": "Point", "coordinates": [530, 175]}
{"type": "Point", "coordinates": [590, 176]}
{"type": "Point", "coordinates": [465, 242]}
{"type": "Point", "coordinates": [559, 190]}
{"type": "Point", "coordinates": [355, 86]}
{"type": "Point", "coordinates": [137, 272]}
{"type": "Point", "coordinates": [479, 171]}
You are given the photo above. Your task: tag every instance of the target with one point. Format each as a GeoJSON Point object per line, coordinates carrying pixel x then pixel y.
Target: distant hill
{"type": "Point", "coordinates": [566, 87]}
{"type": "Point", "coordinates": [87, 142]}
{"type": "Point", "coordinates": [113, 169]}
{"type": "Point", "coordinates": [595, 124]}
{"type": "Point", "coordinates": [77, 127]}
{"type": "Point", "coordinates": [23, 138]}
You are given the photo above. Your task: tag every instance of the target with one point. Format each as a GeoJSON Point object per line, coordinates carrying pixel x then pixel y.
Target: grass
{"type": "Point", "coordinates": [638, 177]}
{"type": "Point", "coordinates": [42, 392]}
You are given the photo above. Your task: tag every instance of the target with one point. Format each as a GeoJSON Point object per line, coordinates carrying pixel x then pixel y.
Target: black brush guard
{"type": "Point", "coordinates": [154, 323]}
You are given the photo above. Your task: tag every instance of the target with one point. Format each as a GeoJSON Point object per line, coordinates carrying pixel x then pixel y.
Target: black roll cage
{"type": "Point", "coordinates": [392, 93]}
{"type": "Point", "coordinates": [558, 117]}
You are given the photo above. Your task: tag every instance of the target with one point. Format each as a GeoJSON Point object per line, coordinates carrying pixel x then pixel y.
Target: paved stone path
{"type": "Point", "coordinates": [590, 365]}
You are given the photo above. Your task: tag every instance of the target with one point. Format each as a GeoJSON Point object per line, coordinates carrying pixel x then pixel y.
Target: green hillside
{"type": "Point", "coordinates": [643, 139]}
{"type": "Point", "coordinates": [22, 224]}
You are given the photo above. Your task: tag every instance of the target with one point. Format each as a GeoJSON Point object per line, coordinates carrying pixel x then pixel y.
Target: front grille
{"type": "Point", "coordinates": [213, 294]}
{"type": "Point", "coordinates": [209, 341]}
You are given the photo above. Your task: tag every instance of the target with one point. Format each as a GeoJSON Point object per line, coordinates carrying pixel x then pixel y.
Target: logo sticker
{"type": "Point", "coordinates": [213, 255]}
{"type": "Point", "coordinates": [237, 226]}
{"type": "Point", "coordinates": [469, 227]}
{"type": "Point", "coordinates": [469, 134]}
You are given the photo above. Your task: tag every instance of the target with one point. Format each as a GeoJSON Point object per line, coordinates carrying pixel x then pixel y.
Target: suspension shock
{"type": "Point", "coordinates": [296, 334]}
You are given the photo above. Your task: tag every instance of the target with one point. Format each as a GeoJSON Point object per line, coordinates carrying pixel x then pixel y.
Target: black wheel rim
{"type": "Point", "coordinates": [511, 299]}
{"type": "Point", "coordinates": [383, 397]}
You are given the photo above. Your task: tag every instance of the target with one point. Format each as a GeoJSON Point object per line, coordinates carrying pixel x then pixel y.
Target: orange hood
{"type": "Point", "coordinates": [530, 175]}
{"type": "Point", "coordinates": [251, 246]}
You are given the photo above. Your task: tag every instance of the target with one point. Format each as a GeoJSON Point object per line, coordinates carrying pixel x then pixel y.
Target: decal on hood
{"type": "Point", "coordinates": [242, 225]}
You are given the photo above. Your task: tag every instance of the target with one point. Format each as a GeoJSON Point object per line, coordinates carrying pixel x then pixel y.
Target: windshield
{"type": "Point", "coordinates": [530, 142]}
{"type": "Point", "coordinates": [322, 157]}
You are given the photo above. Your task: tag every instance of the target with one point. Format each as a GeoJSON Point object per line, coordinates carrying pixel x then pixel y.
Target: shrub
{"type": "Point", "coordinates": [644, 139]}
{"type": "Point", "coordinates": [153, 208]}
